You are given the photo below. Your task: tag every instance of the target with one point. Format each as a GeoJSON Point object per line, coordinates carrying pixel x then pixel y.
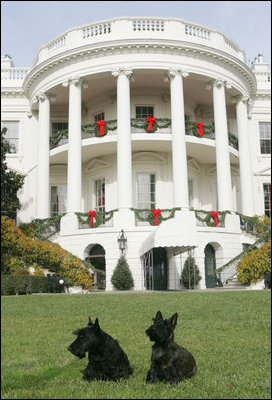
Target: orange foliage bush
{"type": "Point", "coordinates": [47, 254]}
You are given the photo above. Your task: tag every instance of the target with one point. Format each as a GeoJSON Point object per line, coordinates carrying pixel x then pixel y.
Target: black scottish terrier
{"type": "Point", "coordinates": [107, 360]}
{"type": "Point", "coordinates": [169, 362]}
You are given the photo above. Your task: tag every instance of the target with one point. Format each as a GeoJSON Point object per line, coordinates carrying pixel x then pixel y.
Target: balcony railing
{"type": "Point", "coordinates": [134, 28]}
{"type": "Point", "coordinates": [140, 125]}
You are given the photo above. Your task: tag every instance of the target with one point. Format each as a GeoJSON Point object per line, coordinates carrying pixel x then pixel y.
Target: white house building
{"type": "Point", "coordinates": [153, 114]}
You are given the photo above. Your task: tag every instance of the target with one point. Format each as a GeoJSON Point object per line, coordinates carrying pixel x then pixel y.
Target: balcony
{"type": "Point", "coordinates": [139, 126]}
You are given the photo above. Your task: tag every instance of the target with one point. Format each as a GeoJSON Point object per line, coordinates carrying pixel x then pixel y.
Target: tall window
{"type": "Point", "coordinates": [146, 194]}
{"type": "Point", "coordinates": [58, 200]}
{"type": "Point", "coordinates": [191, 192]}
{"type": "Point", "coordinates": [265, 137]}
{"type": "Point", "coordinates": [12, 135]}
{"type": "Point", "coordinates": [144, 111]}
{"type": "Point", "coordinates": [99, 117]}
{"type": "Point", "coordinates": [267, 199]}
{"type": "Point", "coordinates": [58, 127]}
{"type": "Point", "coordinates": [99, 187]}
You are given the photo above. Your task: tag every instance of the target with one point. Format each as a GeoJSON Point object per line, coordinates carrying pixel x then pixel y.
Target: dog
{"type": "Point", "coordinates": [169, 361]}
{"type": "Point", "coordinates": [107, 360]}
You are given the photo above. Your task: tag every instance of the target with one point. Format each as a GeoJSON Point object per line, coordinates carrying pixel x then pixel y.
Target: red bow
{"type": "Point", "coordinates": [200, 126]}
{"type": "Point", "coordinates": [215, 215]}
{"type": "Point", "coordinates": [150, 121]}
{"type": "Point", "coordinates": [155, 214]}
{"type": "Point", "coordinates": [101, 127]}
{"type": "Point", "coordinates": [92, 214]}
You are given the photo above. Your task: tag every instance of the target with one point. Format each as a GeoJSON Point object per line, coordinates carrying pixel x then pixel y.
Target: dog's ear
{"type": "Point", "coordinates": [90, 321]}
{"type": "Point", "coordinates": [174, 319]}
{"type": "Point", "coordinates": [96, 325]}
{"type": "Point", "coordinates": [158, 316]}
{"type": "Point", "coordinates": [76, 332]}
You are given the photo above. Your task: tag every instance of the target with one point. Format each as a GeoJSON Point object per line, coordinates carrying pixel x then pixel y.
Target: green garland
{"type": "Point", "coordinates": [140, 123]}
{"type": "Point", "coordinates": [99, 219]}
{"type": "Point", "coordinates": [42, 228]}
{"type": "Point", "coordinates": [150, 218]}
{"type": "Point", "coordinates": [208, 219]}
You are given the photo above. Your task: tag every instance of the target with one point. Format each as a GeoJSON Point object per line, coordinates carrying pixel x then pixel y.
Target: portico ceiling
{"type": "Point", "coordinates": [143, 82]}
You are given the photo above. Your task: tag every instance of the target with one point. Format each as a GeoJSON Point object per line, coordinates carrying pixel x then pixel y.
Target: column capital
{"type": "Point", "coordinates": [240, 97]}
{"type": "Point", "coordinates": [172, 72]}
{"type": "Point", "coordinates": [42, 96]}
{"type": "Point", "coordinates": [218, 83]}
{"type": "Point", "coordinates": [77, 81]}
{"type": "Point", "coordinates": [128, 72]}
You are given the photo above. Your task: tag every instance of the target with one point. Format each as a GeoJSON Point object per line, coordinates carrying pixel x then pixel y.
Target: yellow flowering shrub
{"type": "Point", "coordinates": [254, 264]}
{"type": "Point", "coordinates": [46, 254]}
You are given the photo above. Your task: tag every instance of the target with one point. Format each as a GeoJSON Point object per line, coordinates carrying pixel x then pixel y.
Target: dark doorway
{"type": "Point", "coordinates": [96, 257]}
{"type": "Point", "coordinates": [155, 265]}
{"type": "Point", "coordinates": [210, 266]}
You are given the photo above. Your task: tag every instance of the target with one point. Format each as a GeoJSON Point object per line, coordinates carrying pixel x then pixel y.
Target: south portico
{"type": "Point", "coordinates": [124, 162]}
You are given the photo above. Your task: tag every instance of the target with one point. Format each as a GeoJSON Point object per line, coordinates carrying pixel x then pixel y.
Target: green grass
{"type": "Point", "coordinates": [228, 334]}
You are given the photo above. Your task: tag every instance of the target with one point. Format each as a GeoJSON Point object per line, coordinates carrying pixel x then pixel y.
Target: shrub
{"type": "Point", "coordinates": [23, 284]}
{"type": "Point", "coordinates": [46, 254]}
{"type": "Point", "coordinates": [190, 274]}
{"type": "Point", "coordinates": [122, 278]}
{"type": "Point", "coordinates": [254, 264]}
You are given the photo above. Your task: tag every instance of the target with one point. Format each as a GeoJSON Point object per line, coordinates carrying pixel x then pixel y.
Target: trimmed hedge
{"type": "Point", "coordinates": [23, 284]}
{"type": "Point", "coordinates": [27, 284]}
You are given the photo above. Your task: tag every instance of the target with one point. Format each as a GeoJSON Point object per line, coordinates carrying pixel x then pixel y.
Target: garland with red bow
{"type": "Point", "coordinates": [151, 218]}
{"type": "Point", "coordinates": [101, 125]}
{"type": "Point", "coordinates": [92, 214]}
{"type": "Point", "coordinates": [151, 121]}
{"type": "Point", "coordinates": [214, 214]}
{"type": "Point", "coordinates": [200, 128]}
{"type": "Point", "coordinates": [156, 213]}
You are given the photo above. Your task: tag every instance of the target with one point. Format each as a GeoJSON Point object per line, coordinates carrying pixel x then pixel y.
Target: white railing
{"type": "Point", "coordinates": [124, 28]}
{"type": "Point", "coordinates": [97, 29]}
{"type": "Point", "coordinates": [55, 44]}
{"type": "Point", "coordinates": [199, 32]}
{"type": "Point", "coordinates": [148, 25]}
{"type": "Point", "coordinates": [14, 73]}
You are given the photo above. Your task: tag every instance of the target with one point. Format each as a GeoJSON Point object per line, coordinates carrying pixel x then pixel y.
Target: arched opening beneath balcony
{"type": "Point", "coordinates": [95, 255]}
{"type": "Point", "coordinates": [210, 265]}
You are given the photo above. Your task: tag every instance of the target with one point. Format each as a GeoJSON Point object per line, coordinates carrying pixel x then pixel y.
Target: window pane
{"type": "Point", "coordinates": [265, 137]}
{"type": "Point", "coordinates": [58, 199]}
{"type": "Point", "coordinates": [267, 199]}
{"type": "Point", "coordinates": [100, 195]}
{"type": "Point", "coordinates": [12, 135]}
{"type": "Point", "coordinates": [144, 111]}
{"type": "Point", "coordinates": [146, 197]}
{"type": "Point", "coordinates": [99, 117]}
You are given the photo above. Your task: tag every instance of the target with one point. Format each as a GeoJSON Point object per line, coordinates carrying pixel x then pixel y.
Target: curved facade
{"type": "Point", "coordinates": [80, 121]}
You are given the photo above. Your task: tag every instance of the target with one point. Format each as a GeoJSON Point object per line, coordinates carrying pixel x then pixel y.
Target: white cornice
{"type": "Point", "coordinates": [103, 48]}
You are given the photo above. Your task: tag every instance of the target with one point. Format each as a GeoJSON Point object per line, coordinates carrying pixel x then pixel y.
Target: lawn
{"type": "Point", "coordinates": [228, 333]}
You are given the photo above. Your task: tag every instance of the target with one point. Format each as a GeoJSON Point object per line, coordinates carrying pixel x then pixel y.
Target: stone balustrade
{"type": "Point", "coordinates": [168, 29]}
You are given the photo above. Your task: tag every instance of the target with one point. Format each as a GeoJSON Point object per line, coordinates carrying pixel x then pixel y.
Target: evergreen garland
{"type": "Point", "coordinates": [208, 219]}
{"type": "Point", "coordinates": [140, 123]}
{"type": "Point", "coordinates": [150, 218]}
{"type": "Point", "coordinates": [99, 219]}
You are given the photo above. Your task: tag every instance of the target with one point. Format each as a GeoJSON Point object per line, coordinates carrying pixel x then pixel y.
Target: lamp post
{"type": "Point", "coordinates": [122, 240]}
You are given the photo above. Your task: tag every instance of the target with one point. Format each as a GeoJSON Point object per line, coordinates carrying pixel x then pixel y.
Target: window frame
{"type": "Point", "coordinates": [18, 121]}
{"type": "Point", "coordinates": [263, 140]}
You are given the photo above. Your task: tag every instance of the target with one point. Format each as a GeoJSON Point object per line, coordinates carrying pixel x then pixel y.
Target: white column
{"type": "Point", "coordinates": [224, 188]}
{"type": "Point", "coordinates": [124, 162]}
{"type": "Point", "coordinates": [74, 146]}
{"type": "Point", "coordinates": [43, 195]}
{"type": "Point", "coordinates": [179, 159]}
{"type": "Point", "coordinates": [246, 181]}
